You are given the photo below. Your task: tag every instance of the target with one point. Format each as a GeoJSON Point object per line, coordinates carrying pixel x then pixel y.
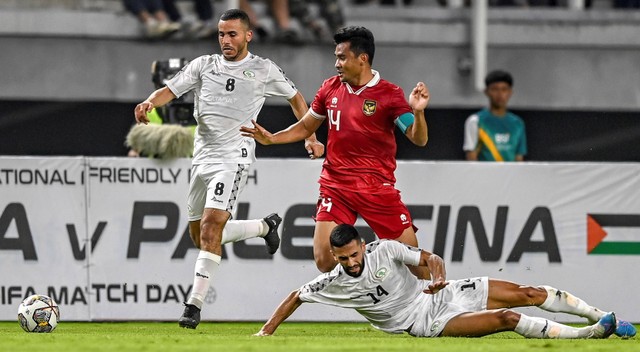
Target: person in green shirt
{"type": "Point", "coordinates": [494, 133]}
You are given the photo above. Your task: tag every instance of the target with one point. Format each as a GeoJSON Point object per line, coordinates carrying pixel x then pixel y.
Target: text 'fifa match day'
{"type": "Point", "coordinates": [99, 292]}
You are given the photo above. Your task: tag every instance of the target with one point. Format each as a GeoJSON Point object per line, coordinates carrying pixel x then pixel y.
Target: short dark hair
{"type": "Point", "coordinates": [360, 39]}
{"type": "Point", "coordinates": [236, 14]}
{"type": "Point", "coordinates": [498, 76]}
{"type": "Point", "coordinates": [343, 234]}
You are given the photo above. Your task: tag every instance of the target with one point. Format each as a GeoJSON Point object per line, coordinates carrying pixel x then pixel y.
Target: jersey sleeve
{"type": "Point", "coordinates": [470, 133]}
{"type": "Point", "coordinates": [401, 252]}
{"type": "Point", "coordinates": [318, 107]}
{"type": "Point", "coordinates": [187, 78]}
{"type": "Point", "coordinates": [277, 83]}
{"type": "Point", "coordinates": [398, 104]}
{"type": "Point", "coordinates": [314, 291]}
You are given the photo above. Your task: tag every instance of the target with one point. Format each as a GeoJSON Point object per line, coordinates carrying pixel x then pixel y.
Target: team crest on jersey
{"type": "Point", "coordinates": [369, 107]}
{"type": "Point", "coordinates": [381, 273]}
{"type": "Point", "coordinates": [435, 326]}
{"type": "Point", "coordinates": [249, 74]}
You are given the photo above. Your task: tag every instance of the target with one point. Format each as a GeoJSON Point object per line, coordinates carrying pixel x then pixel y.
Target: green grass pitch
{"type": "Point", "coordinates": [290, 337]}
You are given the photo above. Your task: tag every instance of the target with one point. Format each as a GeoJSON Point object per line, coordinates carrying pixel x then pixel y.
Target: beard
{"type": "Point", "coordinates": [355, 274]}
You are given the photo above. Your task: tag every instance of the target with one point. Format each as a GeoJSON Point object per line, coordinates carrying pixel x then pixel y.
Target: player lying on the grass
{"type": "Point", "coordinates": [375, 281]}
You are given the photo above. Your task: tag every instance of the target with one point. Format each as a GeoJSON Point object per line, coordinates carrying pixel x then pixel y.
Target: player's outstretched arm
{"type": "Point", "coordinates": [294, 133]}
{"type": "Point", "coordinates": [284, 310]}
{"type": "Point", "coordinates": [158, 98]}
{"type": "Point", "coordinates": [418, 133]}
{"type": "Point", "coordinates": [299, 106]}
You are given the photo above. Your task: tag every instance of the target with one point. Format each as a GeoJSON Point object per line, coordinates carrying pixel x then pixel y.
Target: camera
{"type": "Point", "coordinates": [180, 110]}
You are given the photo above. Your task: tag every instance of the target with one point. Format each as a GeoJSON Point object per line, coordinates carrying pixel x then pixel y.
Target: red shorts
{"type": "Point", "coordinates": [385, 213]}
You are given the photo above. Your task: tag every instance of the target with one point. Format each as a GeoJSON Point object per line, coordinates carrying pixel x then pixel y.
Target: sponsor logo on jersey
{"type": "Point", "coordinates": [249, 74]}
{"type": "Point", "coordinates": [381, 273]}
{"type": "Point", "coordinates": [435, 325]}
{"type": "Point", "coordinates": [216, 200]}
{"type": "Point", "coordinates": [334, 102]}
{"type": "Point", "coordinates": [369, 107]}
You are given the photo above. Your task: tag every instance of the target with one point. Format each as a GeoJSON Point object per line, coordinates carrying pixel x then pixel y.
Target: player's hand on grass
{"type": "Point", "coordinates": [261, 333]}
{"type": "Point", "coordinates": [435, 286]}
{"type": "Point", "coordinates": [257, 132]}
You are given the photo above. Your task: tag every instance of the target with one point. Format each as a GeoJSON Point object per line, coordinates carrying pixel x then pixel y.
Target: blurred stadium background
{"type": "Point", "coordinates": [72, 71]}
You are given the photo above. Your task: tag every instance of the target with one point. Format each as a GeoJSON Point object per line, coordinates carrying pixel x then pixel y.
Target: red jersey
{"type": "Point", "coordinates": [361, 145]}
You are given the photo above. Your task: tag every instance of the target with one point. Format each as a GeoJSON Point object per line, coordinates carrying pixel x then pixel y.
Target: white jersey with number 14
{"type": "Point", "coordinates": [382, 294]}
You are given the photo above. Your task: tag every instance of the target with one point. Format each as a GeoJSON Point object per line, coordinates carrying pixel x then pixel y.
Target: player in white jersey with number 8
{"type": "Point", "coordinates": [375, 281]}
{"type": "Point", "coordinates": [229, 91]}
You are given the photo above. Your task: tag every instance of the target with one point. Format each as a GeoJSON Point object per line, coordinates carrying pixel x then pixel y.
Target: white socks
{"type": "Point", "coordinates": [206, 265]}
{"type": "Point", "coordinates": [238, 230]}
{"type": "Point", "coordinates": [564, 302]}
{"type": "Point", "coordinates": [541, 328]}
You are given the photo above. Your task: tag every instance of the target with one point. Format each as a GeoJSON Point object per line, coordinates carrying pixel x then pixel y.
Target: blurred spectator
{"type": "Point", "coordinates": [494, 133]}
{"type": "Point", "coordinates": [279, 10]}
{"type": "Point", "coordinates": [154, 19]}
{"type": "Point", "coordinates": [203, 27]}
{"type": "Point", "coordinates": [330, 11]}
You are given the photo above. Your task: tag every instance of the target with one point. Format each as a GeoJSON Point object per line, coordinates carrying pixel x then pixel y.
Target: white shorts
{"type": "Point", "coordinates": [216, 186]}
{"type": "Point", "coordinates": [460, 296]}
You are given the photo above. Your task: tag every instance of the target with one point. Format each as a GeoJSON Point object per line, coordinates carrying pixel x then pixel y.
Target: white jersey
{"type": "Point", "coordinates": [383, 294]}
{"type": "Point", "coordinates": [391, 298]}
{"type": "Point", "coordinates": [228, 95]}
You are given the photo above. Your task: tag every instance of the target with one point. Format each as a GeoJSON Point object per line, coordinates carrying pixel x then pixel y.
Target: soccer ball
{"type": "Point", "coordinates": [38, 313]}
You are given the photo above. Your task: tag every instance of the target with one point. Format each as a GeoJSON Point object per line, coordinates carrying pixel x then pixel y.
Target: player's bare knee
{"type": "Point", "coordinates": [533, 295]}
{"type": "Point", "coordinates": [325, 263]}
{"type": "Point", "coordinates": [194, 233]}
{"type": "Point", "coordinates": [210, 229]}
{"type": "Point", "coordinates": [195, 238]}
{"type": "Point", "coordinates": [507, 317]}
{"type": "Point", "coordinates": [324, 259]}
{"type": "Point", "coordinates": [325, 266]}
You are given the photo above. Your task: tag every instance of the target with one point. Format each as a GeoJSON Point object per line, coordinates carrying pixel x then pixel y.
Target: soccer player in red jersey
{"type": "Point", "coordinates": [362, 111]}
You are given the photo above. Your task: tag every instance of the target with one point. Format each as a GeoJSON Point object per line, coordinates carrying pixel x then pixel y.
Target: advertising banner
{"type": "Point", "coordinates": [43, 225]}
{"type": "Point", "coordinates": [108, 237]}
